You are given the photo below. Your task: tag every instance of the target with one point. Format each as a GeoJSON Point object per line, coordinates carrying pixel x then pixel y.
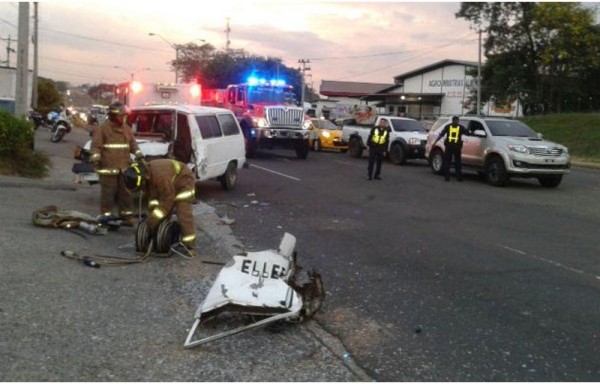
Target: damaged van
{"type": "Point", "coordinates": [209, 140]}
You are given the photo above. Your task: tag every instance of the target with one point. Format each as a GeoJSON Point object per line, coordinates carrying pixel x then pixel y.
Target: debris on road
{"type": "Point", "coordinates": [266, 283]}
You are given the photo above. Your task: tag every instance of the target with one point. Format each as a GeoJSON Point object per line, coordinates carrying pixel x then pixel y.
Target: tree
{"type": "Point", "coordinates": [217, 69]}
{"type": "Point", "coordinates": [538, 52]}
{"type": "Point", "coordinates": [48, 96]}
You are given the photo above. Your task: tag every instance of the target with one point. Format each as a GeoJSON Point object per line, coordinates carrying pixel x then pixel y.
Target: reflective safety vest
{"type": "Point", "coordinates": [453, 133]}
{"type": "Point", "coordinates": [379, 138]}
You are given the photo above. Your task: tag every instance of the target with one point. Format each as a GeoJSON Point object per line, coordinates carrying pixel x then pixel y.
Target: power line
{"type": "Point", "coordinates": [104, 41]}
{"type": "Point", "coordinates": [362, 56]}
{"type": "Point", "coordinates": [111, 66]}
{"type": "Point", "coordinates": [409, 59]}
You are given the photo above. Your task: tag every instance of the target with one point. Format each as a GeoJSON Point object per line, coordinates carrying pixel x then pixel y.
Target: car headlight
{"type": "Point", "coordinates": [518, 148]}
{"type": "Point", "coordinates": [414, 141]}
{"type": "Point", "coordinates": [325, 134]}
{"type": "Point", "coordinates": [260, 122]}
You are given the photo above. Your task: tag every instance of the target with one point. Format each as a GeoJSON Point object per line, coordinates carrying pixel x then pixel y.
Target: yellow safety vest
{"type": "Point", "coordinates": [377, 138]}
{"type": "Point", "coordinates": [453, 132]}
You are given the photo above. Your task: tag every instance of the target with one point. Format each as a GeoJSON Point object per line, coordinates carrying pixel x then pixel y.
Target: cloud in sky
{"type": "Point", "coordinates": [83, 42]}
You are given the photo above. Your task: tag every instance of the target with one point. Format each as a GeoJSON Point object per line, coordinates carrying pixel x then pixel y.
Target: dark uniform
{"type": "Point", "coordinates": [171, 185]}
{"type": "Point", "coordinates": [453, 147]}
{"type": "Point", "coordinates": [111, 145]}
{"type": "Point", "coordinates": [378, 140]}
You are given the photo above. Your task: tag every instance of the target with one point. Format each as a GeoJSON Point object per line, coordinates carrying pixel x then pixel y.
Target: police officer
{"type": "Point", "coordinates": [378, 143]}
{"type": "Point", "coordinates": [112, 142]}
{"type": "Point", "coordinates": [169, 184]}
{"type": "Point", "coordinates": [453, 147]}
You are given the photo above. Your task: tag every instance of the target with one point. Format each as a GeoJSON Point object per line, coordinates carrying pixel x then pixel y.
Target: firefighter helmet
{"type": "Point", "coordinates": [117, 108]}
{"type": "Point", "coordinates": [135, 177]}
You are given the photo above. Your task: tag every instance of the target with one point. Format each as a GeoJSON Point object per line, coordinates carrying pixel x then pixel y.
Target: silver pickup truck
{"type": "Point", "coordinates": [499, 148]}
{"type": "Point", "coordinates": [407, 139]}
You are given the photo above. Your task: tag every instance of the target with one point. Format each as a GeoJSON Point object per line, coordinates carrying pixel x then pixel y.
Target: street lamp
{"type": "Point", "coordinates": [176, 48]}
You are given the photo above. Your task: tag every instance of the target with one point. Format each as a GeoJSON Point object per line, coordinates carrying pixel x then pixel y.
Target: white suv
{"type": "Point", "coordinates": [500, 148]}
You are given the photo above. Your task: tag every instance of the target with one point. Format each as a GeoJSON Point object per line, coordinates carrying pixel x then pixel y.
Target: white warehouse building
{"type": "Point", "coordinates": [444, 88]}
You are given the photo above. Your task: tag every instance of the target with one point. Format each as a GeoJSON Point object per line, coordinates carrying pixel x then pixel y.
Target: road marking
{"type": "Point", "coordinates": [275, 172]}
{"type": "Point", "coordinates": [552, 262]}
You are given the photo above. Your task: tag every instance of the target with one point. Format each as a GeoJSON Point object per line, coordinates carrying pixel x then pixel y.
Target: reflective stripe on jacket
{"type": "Point", "coordinates": [111, 146]}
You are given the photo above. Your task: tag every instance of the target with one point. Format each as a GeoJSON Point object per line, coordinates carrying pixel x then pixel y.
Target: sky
{"type": "Point", "coordinates": [108, 41]}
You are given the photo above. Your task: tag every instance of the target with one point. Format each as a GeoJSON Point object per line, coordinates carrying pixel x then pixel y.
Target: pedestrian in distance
{"type": "Point", "coordinates": [378, 140]}
{"type": "Point", "coordinates": [112, 143]}
{"type": "Point", "coordinates": [169, 185]}
{"type": "Point", "coordinates": [452, 147]}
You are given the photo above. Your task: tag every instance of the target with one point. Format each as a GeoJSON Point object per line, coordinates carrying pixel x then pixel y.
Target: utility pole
{"type": "Point", "coordinates": [304, 68]}
{"type": "Point", "coordinates": [22, 88]}
{"type": "Point", "coordinates": [228, 42]}
{"type": "Point", "coordinates": [34, 92]}
{"type": "Point", "coordinates": [479, 79]}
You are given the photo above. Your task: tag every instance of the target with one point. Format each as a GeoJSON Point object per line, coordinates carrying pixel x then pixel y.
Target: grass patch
{"type": "Point", "coordinates": [26, 164]}
{"type": "Point", "coordinates": [580, 132]}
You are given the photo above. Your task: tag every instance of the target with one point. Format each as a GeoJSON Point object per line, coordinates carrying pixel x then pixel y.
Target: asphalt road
{"type": "Point", "coordinates": [436, 281]}
{"type": "Point", "coordinates": [426, 280]}
{"type": "Point", "coordinates": [63, 321]}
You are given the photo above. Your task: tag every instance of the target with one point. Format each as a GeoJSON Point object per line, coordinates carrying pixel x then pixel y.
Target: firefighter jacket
{"type": "Point", "coordinates": [453, 134]}
{"type": "Point", "coordinates": [111, 146]}
{"type": "Point", "coordinates": [169, 182]}
{"type": "Point", "coordinates": [379, 138]}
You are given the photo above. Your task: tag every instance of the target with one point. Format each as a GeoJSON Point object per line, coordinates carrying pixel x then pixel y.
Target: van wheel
{"type": "Point", "coordinates": [436, 161]}
{"type": "Point", "coordinates": [354, 147]}
{"type": "Point", "coordinates": [397, 154]}
{"type": "Point", "coordinates": [496, 172]}
{"type": "Point", "coordinates": [229, 178]}
{"type": "Point", "coordinates": [550, 181]}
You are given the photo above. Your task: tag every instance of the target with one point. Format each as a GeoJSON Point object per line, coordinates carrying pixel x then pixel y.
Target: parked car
{"type": "Point", "coordinates": [501, 148]}
{"type": "Point", "coordinates": [324, 135]}
{"type": "Point", "coordinates": [209, 140]}
{"type": "Point", "coordinates": [97, 115]}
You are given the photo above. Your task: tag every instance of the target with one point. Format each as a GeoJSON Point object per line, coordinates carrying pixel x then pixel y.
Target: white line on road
{"type": "Point", "coordinates": [552, 262]}
{"type": "Point", "coordinates": [275, 172]}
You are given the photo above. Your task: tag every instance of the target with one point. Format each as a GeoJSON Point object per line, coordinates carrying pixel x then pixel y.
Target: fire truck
{"type": "Point", "coordinates": [135, 93]}
{"type": "Point", "coordinates": [267, 113]}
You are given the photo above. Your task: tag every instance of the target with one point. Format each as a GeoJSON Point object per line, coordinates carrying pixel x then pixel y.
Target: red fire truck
{"type": "Point", "coordinates": [267, 113]}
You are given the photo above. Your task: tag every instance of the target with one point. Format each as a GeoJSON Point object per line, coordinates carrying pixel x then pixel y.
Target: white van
{"type": "Point", "coordinates": [209, 140]}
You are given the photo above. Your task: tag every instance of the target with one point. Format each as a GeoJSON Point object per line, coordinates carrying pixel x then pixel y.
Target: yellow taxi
{"type": "Point", "coordinates": [324, 135]}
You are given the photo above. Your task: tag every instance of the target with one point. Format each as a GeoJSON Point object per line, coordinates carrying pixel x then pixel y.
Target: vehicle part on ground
{"type": "Point", "coordinates": [266, 283]}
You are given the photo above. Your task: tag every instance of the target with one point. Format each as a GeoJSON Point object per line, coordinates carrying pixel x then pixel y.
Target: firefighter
{"type": "Point", "coordinates": [453, 147]}
{"type": "Point", "coordinates": [378, 143]}
{"type": "Point", "coordinates": [112, 142]}
{"type": "Point", "coordinates": [168, 184]}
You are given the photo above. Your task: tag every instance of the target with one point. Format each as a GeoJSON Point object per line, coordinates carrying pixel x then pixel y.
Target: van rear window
{"type": "Point", "coordinates": [209, 127]}
{"type": "Point", "coordinates": [228, 124]}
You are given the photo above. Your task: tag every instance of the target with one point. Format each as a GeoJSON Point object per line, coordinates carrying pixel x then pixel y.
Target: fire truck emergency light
{"type": "Point", "coordinates": [256, 81]}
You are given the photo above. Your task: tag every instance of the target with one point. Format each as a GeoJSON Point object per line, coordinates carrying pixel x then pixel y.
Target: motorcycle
{"type": "Point", "coordinates": [60, 125]}
{"type": "Point", "coordinates": [36, 119]}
